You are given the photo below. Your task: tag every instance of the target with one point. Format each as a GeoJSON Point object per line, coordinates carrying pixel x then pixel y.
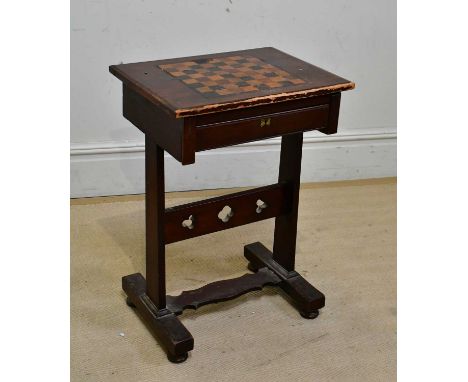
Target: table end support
{"type": "Point", "coordinates": [173, 336]}
{"type": "Point", "coordinates": [306, 298]}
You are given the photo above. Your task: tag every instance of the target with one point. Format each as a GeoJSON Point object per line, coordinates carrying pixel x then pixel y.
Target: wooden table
{"type": "Point", "coordinates": [191, 104]}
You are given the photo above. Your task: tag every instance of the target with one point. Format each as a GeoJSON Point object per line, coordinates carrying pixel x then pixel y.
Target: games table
{"type": "Point", "coordinates": [191, 104]}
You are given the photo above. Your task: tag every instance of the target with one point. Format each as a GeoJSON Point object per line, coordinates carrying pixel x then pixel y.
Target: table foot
{"type": "Point", "coordinates": [130, 303]}
{"type": "Point", "coordinates": [177, 358]}
{"type": "Point", "coordinates": [175, 339]}
{"type": "Point", "coordinates": [310, 315]}
{"type": "Point", "coordinates": [307, 299]}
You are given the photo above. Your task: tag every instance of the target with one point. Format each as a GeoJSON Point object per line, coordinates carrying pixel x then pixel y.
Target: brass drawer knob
{"type": "Point", "coordinates": [265, 122]}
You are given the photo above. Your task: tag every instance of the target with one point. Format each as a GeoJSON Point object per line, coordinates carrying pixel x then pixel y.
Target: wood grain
{"type": "Point", "coordinates": [222, 290]}
{"type": "Point", "coordinates": [177, 98]}
{"type": "Point", "coordinates": [253, 94]}
{"type": "Point", "coordinates": [243, 204]}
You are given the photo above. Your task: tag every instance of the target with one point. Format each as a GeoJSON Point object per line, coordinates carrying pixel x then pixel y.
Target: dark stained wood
{"type": "Point", "coordinates": [165, 326]}
{"type": "Point", "coordinates": [223, 290]}
{"type": "Point", "coordinates": [228, 119]}
{"type": "Point", "coordinates": [259, 111]}
{"type": "Point", "coordinates": [332, 126]}
{"type": "Point", "coordinates": [170, 92]}
{"type": "Point", "coordinates": [284, 247]}
{"type": "Point", "coordinates": [181, 138]}
{"type": "Point", "coordinates": [198, 103]}
{"type": "Point", "coordinates": [189, 141]}
{"type": "Point", "coordinates": [256, 128]}
{"type": "Point", "coordinates": [304, 296]}
{"type": "Point", "coordinates": [168, 132]}
{"type": "Point", "coordinates": [205, 212]}
{"type": "Point", "coordinates": [154, 208]}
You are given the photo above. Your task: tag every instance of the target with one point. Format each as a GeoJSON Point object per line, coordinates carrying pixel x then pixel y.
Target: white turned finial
{"type": "Point", "coordinates": [261, 205]}
{"type": "Point", "coordinates": [188, 223]}
{"type": "Point", "coordinates": [225, 214]}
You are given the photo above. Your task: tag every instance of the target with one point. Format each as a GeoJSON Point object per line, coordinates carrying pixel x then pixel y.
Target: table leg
{"type": "Point", "coordinates": [307, 298]}
{"type": "Point", "coordinates": [149, 296]}
{"type": "Point", "coordinates": [154, 209]}
{"type": "Point", "coordinates": [284, 247]}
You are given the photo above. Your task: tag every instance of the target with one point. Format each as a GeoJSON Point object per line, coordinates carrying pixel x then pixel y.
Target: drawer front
{"type": "Point", "coordinates": [261, 127]}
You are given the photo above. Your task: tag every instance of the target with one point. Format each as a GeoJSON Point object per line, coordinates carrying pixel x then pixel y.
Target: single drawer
{"type": "Point", "coordinates": [261, 127]}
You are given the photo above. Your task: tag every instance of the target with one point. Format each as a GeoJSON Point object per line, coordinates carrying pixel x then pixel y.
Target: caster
{"type": "Point", "coordinates": [129, 302]}
{"type": "Point", "coordinates": [177, 358]}
{"type": "Point", "coordinates": [252, 267]}
{"type": "Point", "coordinates": [310, 315]}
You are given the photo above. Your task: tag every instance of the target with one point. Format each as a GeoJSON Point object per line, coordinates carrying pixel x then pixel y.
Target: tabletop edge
{"type": "Point", "coordinates": [262, 100]}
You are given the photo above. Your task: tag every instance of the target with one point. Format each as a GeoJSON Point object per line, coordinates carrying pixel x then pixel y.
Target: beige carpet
{"type": "Point", "coordinates": [346, 248]}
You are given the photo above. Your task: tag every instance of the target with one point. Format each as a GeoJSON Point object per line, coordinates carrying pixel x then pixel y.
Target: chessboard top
{"type": "Point", "coordinates": [215, 82]}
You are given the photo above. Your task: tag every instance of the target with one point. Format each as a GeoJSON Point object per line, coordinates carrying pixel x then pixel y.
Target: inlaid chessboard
{"type": "Point", "coordinates": [230, 75]}
{"type": "Point", "coordinates": [189, 86]}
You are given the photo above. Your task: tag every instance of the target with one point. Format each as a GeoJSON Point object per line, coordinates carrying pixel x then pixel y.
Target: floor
{"type": "Point", "coordinates": [346, 247]}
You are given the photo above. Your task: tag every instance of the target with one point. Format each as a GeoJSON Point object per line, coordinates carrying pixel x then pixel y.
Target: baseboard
{"type": "Point", "coordinates": [116, 169]}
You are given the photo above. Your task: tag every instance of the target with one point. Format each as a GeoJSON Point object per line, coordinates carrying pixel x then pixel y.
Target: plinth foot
{"type": "Point", "coordinates": [310, 315]}
{"type": "Point", "coordinates": [175, 339]}
{"type": "Point", "coordinates": [130, 303]}
{"type": "Point", "coordinates": [307, 299]}
{"type": "Point", "coordinates": [177, 358]}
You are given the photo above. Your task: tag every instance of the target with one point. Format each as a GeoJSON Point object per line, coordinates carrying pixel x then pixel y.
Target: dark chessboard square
{"type": "Point", "coordinates": [228, 75]}
{"type": "Point", "coordinates": [246, 78]}
{"type": "Point", "coordinates": [255, 67]}
{"type": "Point", "coordinates": [216, 87]}
{"type": "Point", "coordinates": [242, 83]}
{"type": "Point", "coordinates": [189, 71]}
{"type": "Point", "coordinates": [214, 69]}
{"type": "Point", "coordinates": [270, 74]}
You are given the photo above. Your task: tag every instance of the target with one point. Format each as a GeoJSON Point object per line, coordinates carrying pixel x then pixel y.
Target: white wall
{"type": "Point", "coordinates": [354, 39]}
